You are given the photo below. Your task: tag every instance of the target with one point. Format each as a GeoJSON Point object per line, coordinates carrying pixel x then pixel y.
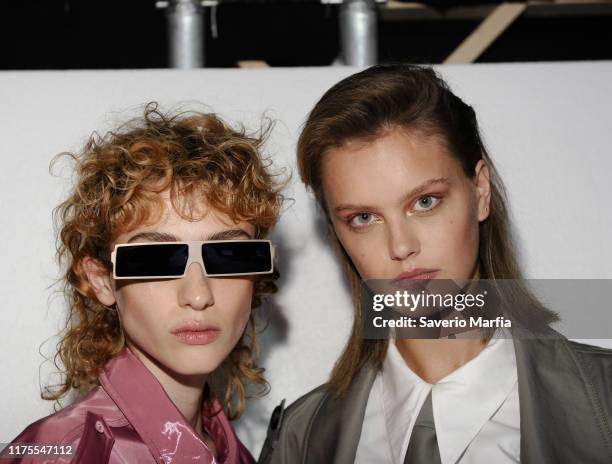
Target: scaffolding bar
{"type": "Point", "coordinates": [359, 32]}
{"type": "Point", "coordinates": [185, 34]}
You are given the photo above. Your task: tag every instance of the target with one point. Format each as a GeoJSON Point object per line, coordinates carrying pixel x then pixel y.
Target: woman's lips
{"type": "Point", "coordinates": [196, 332]}
{"type": "Point", "coordinates": [414, 280]}
{"type": "Point", "coordinates": [420, 274]}
{"type": "Point", "coordinates": [198, 337]}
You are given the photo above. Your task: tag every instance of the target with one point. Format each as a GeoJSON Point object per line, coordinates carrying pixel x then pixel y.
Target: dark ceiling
{"type": "Point", "coordinates": [112, 34]}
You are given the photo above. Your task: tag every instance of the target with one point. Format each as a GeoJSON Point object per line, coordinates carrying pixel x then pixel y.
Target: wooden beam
{"type": "Point", "coordinates": [252, 64]}
{"type": "Point", "coordinates": [486, 33]}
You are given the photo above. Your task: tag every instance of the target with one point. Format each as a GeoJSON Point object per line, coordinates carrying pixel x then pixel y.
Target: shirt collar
{"type": "Point", "coordinates": [403, 393]}
{"type": "Point", "coordinates": [463, 401]}
{"type": "Point", "coordinates": [162, 427]}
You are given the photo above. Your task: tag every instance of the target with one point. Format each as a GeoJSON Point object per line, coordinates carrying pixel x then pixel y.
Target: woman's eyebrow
{"type": "Point", "coordinates": [154, 237]}
{"type": "Point", "coordinates": [424, 186]}
{"type": "Point", "coordinates": [415, 191]}
{"type": "Point", "coordinates": [229, 234]}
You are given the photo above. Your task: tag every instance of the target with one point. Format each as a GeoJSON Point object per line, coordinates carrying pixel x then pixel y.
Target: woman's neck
{"type": "Point", "coordinates": [434, 359]}
{"type": "Point", "coordinates": [185, 391]}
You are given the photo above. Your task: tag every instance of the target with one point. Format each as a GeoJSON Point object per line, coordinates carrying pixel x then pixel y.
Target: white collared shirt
{"type": "Point", "coordinates": [476, 410]}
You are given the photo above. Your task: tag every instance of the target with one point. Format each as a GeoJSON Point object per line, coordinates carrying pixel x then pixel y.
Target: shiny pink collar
{"type": "Point", "coordinates": [158, 422]}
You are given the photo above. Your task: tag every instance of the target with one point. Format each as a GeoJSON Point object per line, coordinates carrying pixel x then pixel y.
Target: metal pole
{"type": "Point", "coordinates": [359, 32]}
{"type": "Point", "coordinates": [185, 34]}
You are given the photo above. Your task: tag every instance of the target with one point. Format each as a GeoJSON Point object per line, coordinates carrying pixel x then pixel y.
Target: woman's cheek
{"type": "Point", "coordinates": [238, 307]}
{"type": "Point", "coordinates": [465, 247]}
{"type": "Point", "coordinates": [366, 251]}
{"type": "Point", "coordinates": [361, 256]}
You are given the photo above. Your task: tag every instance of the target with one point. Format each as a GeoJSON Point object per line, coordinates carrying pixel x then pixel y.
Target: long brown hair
{"type": "Point", "coordinates": [361, 107]}
{"type": "Point", "coordinates": [117, 184]}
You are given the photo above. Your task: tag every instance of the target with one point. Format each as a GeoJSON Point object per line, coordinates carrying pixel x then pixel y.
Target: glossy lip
{"type": "Point", "coordinates": [196, 333]}
{"type": "Point", "coordinates": [417, 274]}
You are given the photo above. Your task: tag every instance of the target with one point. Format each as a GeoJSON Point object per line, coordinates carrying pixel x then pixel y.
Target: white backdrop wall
{"type": "Point", "coordinates": [547, 126]}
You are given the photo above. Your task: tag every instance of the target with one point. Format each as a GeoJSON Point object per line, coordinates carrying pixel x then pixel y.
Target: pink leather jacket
{"type": "Point", "coordinates": [130, 419]}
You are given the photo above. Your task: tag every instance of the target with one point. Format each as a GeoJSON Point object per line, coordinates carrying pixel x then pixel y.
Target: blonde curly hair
{"type": "Point", "coordinates": [118, 181]}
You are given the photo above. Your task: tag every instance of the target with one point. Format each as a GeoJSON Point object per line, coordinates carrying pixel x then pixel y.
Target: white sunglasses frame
{"type": "Point", "coordinates": [195, 256]}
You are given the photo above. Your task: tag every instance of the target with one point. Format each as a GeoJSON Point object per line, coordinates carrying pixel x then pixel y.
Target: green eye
{"type": "Point", "coordinates": [426, 203]}
{"type": "Point", "coordinates": [362, 220]}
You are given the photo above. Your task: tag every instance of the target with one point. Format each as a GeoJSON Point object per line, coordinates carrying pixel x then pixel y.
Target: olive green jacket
{"type": "Point", "coordinates": [565, 396]}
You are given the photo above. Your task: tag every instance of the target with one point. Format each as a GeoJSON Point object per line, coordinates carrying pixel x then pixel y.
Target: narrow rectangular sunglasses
{"type": "Point", "coordinates": [170, 260]}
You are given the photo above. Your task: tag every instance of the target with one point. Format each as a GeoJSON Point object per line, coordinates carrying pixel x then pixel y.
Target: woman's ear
{"type": "Point", "coordinates": [98, 277]}
{"type": "Point", "coordinates": [482, 182]}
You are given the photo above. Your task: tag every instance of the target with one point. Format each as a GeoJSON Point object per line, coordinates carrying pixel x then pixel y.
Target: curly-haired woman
{"type": "Point", "coordinates": [163, 242]}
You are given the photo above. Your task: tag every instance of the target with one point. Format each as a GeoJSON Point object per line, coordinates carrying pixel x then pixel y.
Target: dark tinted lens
{"type": "Point", "coordinates": [236, 257]}
{"type": "Point", "coordinates": [151, 260]}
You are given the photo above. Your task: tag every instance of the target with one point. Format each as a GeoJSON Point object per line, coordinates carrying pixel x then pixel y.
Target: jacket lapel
{"type": "Point", "coordinates": [336, 429]}
{"type": "Point", "coordinates": [147, 407]}
{"type": "Point", "coordinates": [559, 420]}
{"type": "Point", "coordinates": [559, 417]}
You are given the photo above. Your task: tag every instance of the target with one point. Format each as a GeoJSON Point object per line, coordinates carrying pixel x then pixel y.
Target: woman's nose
{"type": "Point", "coordinates": [194, 289]}
{"type": "Point", "coordinates": [402, 240]}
